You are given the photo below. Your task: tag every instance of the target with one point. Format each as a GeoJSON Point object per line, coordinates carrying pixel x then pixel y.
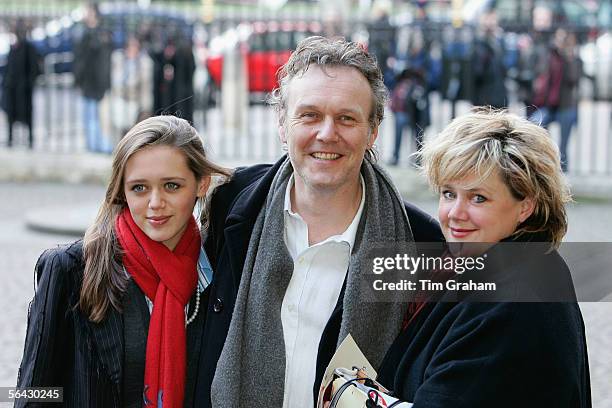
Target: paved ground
{"type": "Point", "coordinates": [20, 247]}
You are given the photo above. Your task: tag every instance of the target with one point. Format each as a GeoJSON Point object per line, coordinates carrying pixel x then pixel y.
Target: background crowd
{"type": "Point", "coordinates": [476, 65]}
{"type": "Point", "coordinates": [126, 70]}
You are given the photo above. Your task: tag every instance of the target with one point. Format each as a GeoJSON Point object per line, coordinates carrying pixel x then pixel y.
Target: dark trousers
{"type": "Point", "coordinates": [403, 120]}
{"type": "Point", "coordinates": [567, 118]}
{"type": "Point", "coordinates": [30, 134]}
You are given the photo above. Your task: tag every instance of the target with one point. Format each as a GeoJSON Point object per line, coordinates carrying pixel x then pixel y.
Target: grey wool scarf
{"type": "Point", "coordinates": [251, 368]}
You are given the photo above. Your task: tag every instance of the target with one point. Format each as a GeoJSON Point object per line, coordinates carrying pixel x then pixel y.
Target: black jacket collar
{"type": "Point", "coordinates": [251, 199]}
{"type": "Point", "coordinates": [243, 213]}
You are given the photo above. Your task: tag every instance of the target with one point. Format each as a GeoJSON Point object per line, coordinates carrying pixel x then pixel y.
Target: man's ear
{"type": "Point", "coordinates": [282, 125]}
{"type": "Point", "coordinates": [373, 137]}
{"type": "Point", "coordinates": [203, 186]}
{"type": "Point", "coordinates": [527, 207]}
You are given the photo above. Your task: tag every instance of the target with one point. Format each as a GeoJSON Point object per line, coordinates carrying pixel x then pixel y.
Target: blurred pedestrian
{"type": "Point", "coordinates": [555, 88]}
{"type": "Point", "coordinates": [174, 67]}
{"type": "Point", "coordinates": [410, 95]}
{"type": "Point", "coordinates": [92, 75]}
{"type": "Point", "coordinates": [132, 86]}
{"type": "Point", "coordinates": [381, 42]}
{"type": "Point", "coordinates": [488, 64]}
{"type": "Point", "coordinates": [533, 50]}
{"type": "Point", "coordinates": [456, 83]}
{"type": "Point", "coordinates": [116, 319]}
{"type": "Point", "coordinates": [22, 68]}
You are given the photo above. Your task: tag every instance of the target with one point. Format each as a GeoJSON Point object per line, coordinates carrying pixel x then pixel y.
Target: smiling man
{"type": "Point", "coordinates": [287, 241]}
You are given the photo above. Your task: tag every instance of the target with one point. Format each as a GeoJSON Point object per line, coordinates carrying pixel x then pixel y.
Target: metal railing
{"type": "Point", "coordinates": [237, 126]}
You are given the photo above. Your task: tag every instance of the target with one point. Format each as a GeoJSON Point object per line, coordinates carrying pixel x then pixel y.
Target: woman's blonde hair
{"type": "Point", "coordinates": [104, 280]}
{"type": "Point", "coordinates": [487, 141]}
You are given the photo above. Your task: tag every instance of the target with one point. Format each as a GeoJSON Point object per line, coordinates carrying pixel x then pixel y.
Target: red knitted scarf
{"type": "Point", "coordinates": [169, 279]}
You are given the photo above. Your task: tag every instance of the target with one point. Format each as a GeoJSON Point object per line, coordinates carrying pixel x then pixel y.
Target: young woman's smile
{"type": "Point", "coordinates": [161, 191]}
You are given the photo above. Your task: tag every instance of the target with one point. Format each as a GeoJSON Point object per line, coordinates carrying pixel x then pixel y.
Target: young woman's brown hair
{"type": "Point", "coordinates": [104, 280]}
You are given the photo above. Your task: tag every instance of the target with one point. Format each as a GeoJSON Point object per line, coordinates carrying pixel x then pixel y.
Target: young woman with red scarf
{"type": "Point", "coordinates": [115, 317]}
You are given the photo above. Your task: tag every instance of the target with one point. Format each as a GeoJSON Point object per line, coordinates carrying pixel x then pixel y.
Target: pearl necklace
{"type": "Point", "coordinates": [197, 307]}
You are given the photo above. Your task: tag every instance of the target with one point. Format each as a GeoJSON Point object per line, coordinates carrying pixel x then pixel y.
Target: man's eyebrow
{"type": "Point", "coordinates": [351, 111]}
{"type": "Point", "coordinates": [303, 107]}
{"type": "Point", "coordinates": [300, 107]}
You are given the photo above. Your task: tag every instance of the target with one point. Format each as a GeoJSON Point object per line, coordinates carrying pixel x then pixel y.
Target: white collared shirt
{"type": "Point", "coordinates": [318, 274]}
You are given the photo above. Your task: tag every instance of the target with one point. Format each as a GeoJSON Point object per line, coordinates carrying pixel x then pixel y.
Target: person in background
{"type": "Point", "coordinates": [116, 319]}
{"type": "Point", "coordinates": [132, 86]}
{"type": "Point", "coordinates": [556, 88]}
{"type": "Point", "coordinates": [22, 69]}
{"type": "Point", "coordinates": [381, 41]}
{"type": "Point", "coordinates": [92, 53]}
{"type": "Point", "coordinates": [174, 67]}
{"type": "Point", "coordinates": [456, 77]}
{"type": "Point", "coordinates": [488, 64]}
{"type": "Point", "coordinates": [410, 96]}
{"type": "Point", "coordinates": [533, 48]}
{"type": "Point", "coordinates": [501, 191]}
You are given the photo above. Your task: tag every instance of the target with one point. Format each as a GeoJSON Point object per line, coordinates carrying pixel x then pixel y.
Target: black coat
{"type": "Point", "coordinates": [92, 62]}
{"type": "Point", "coordinates": [478, 354]}
{"type": "Point", "coordinates": [489, 73]}
{"type": "Point", "coordinates": [381, 43]}
{"type": "Point", "coordinates": [234, 209]}
{"type": "Point", "coordinates": [64, 349]}
{"type": "Point", "coordinates": [22, 68]}
{"type": "Point", "coordinates": [173, 91]}
{"type": "Point", "coordinates": [456, 82]}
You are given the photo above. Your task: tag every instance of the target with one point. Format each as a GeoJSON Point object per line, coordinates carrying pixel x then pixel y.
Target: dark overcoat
{"type": "Point", "coordinates": [489, 73]}
{"type": "Point", "coordinates": [92, 62]}
{"type": "Point", "coordinates": [173, 91]}
{"type": "Point", "coordinates": [22, 68]}
{"type": "Point", "coordinates": [479, 354]}
{"type": "Point", "coordinates": [97, 364]}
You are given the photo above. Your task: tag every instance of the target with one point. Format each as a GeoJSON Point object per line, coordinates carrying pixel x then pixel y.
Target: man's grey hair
{"type": "Point", "coordinates": [324, 52]}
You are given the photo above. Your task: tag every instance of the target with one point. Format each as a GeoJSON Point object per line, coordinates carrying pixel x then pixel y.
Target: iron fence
{"type": "Point", "coordinates": [235, 55]}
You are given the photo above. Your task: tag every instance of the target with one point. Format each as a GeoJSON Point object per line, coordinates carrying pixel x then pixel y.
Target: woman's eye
{"type": "Point", "coordinates": [447, 194]}
{"type": "Point", "coordinates": [479, 198]}
{"type": "Point", "coordinates": [138, 188]}
{"type": "Point", "coordinates": [172, 186]}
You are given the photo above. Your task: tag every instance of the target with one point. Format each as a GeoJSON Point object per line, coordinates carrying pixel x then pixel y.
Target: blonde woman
{"type": "Point", "coordinates": [116, 319]}
{"type": "Point", "coordinates": [500, 185]}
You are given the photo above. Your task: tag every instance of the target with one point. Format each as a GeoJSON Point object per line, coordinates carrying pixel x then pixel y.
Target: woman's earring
{"type": "Point", "coordinates": [285, 147]}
